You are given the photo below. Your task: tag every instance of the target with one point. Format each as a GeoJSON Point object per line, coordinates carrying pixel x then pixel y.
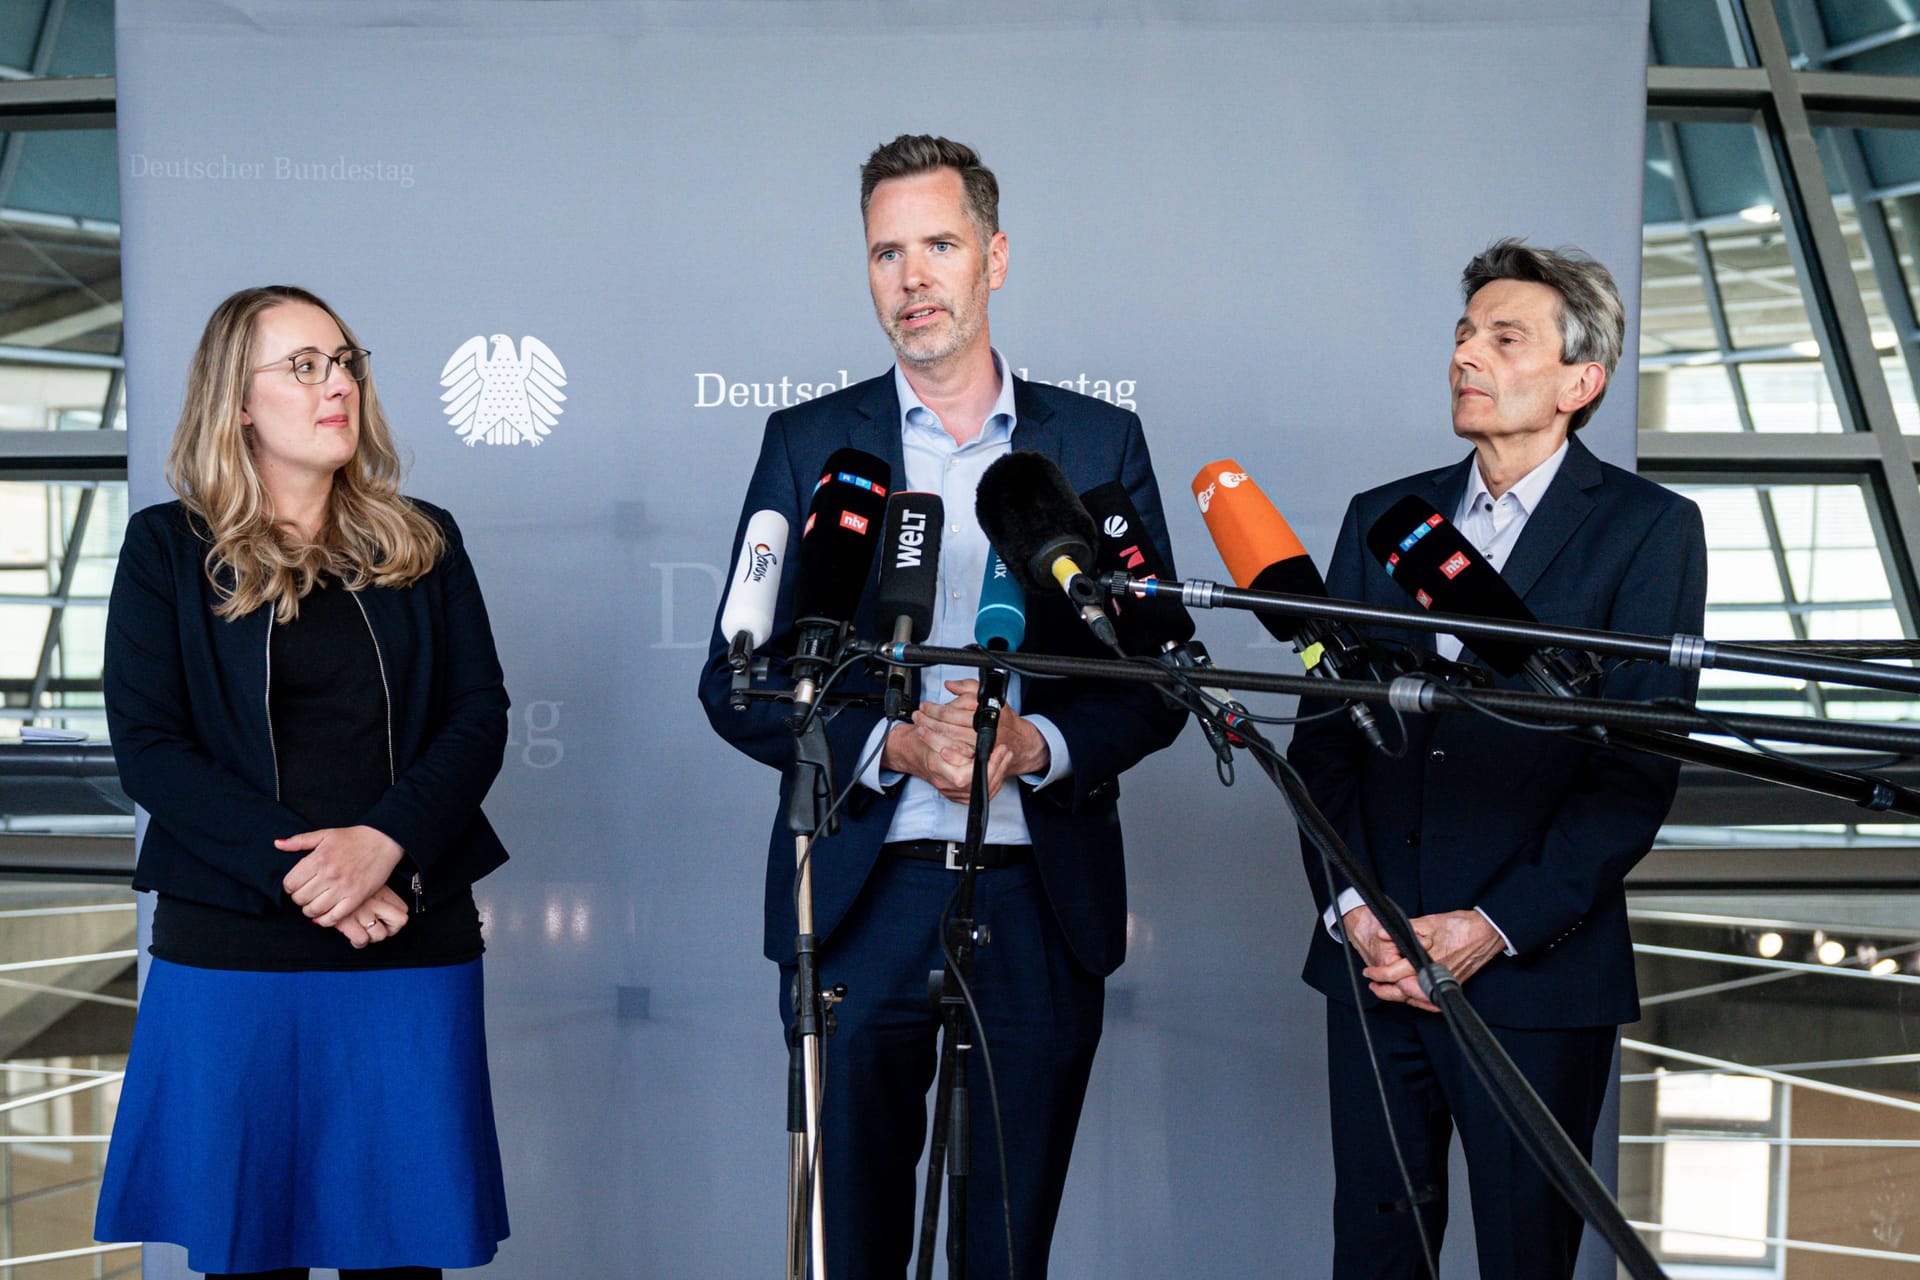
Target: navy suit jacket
{"type": "Point", "coordinates": [1537, 829]}
{"type": "Point", "coordinates": [1107, 726]}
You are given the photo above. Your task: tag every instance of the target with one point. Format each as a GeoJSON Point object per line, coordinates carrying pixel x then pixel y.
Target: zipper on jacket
{"type": "Point", "coordinates": [386, 694]}
{"type": "Point", "coordinates": [266, 699]}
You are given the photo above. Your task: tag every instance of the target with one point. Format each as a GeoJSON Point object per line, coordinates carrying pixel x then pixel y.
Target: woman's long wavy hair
{"type": "Point", "coordinates": [371, 537]}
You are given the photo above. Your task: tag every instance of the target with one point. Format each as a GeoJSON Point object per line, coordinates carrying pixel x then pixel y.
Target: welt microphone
{"type": "Point", "coordinates": [837, 545]}
{"type": "Point", "coordinates": [1032, 517]}
{"type": "Point", "coordinates": [909, 584]}
{"type": "Point", "coordinates": [1435, 564]}
{"type": "Point", "coordinates": [1262, 553]}
{"type": "Point", "coordinates": [1157, 626]}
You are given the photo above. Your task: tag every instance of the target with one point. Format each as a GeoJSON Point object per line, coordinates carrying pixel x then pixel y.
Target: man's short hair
{"type": "Point", "coordinates": [1593, 323]}
{"type": "Point", "coordinates": [912, 154]}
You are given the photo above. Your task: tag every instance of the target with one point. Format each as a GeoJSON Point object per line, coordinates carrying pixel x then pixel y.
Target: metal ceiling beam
{"type": "Point", "coordinates": [79, 102]}
{"type": "Point", "coordinates": [63, 455]}
{"type": "Point", "coordinates": [1729, 453]}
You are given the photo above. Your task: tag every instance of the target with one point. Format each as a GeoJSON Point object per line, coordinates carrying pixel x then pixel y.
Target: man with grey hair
{"type": "Point", "coordinates": [1508, 847]}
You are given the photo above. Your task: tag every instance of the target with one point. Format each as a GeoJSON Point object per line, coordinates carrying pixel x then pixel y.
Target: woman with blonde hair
{"type": "Point", "coordinates": [303, 693]}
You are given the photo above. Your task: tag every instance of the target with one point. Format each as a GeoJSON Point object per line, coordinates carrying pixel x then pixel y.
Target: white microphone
{"type": "Point", "coordinates": [747, 620]}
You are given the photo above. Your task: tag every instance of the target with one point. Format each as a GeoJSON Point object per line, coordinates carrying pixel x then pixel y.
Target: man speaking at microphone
{"type": "Point", "coordinates": [1052, 888]}
{"type": "Point", "coordinates": [1507, 847]}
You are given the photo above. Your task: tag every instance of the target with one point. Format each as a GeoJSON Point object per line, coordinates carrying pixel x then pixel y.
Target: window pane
{"type": "Point", "coordinates": [1790, 397]}
{"type": "Point", "coordinates": [1789, 562]}
{"type": "Point", "coordinates": [1687, 33]}
{"type": "Point", "coordinates": [1758, 287]}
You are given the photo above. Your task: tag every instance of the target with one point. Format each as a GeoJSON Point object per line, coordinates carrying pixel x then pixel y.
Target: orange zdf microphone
{"type": "Point", "coordinates": [1262, 553]}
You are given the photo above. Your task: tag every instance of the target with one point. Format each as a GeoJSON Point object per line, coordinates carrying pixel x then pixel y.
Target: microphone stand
{"type": "Point", "coordinates": [1688, 653]}
{"type": "Point", "coordinates": [1422, 693]}
{"type": "Point", "coordinates": [1519, 1106]}
{"type": "Point", "coordinates": [812, 1008]}
{"type": "Point", "coordinates": [952, 1136]}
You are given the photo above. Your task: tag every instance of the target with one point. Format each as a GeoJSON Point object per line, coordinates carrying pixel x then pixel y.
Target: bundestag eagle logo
{"type": "Point", "coordinates": [502, 397]}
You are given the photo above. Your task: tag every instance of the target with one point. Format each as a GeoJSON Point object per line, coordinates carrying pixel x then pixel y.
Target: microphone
{"type": "Point", "coordinates": [747, 620]}
{"type": "Point", "coordinates": [1156, 626]}
{"type": "Point", "coordinates": [1262, 553]}
{"type": "Point", "coordinates": [837, 545]}
{"type": "Point", "coordinates": [909, 583]}
{"type": "Point", "coordinates": [1001, 622]}
{"type": "Point", "coordinates": [1435, 564]}
{"type": "Point", "coordinates": [1032, 517]}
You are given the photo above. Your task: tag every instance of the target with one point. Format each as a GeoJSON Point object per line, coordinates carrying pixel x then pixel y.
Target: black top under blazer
{"type": "Point", "coordinates": [186, 696]}
{"type": "Point", "coordinates": [1108, 725]}
{"type": "Point", "coordinates": [1538, 829]}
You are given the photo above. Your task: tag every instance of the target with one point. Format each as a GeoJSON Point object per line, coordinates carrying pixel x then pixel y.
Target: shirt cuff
{"type": "Point", "coordinates": [1507, 945]}
{"type": "Point", "coordinates": [873, 777]}
{"type": "Point", "coordinates": [1059, 764]}
{"type": "Point", "coordinates": [1333, 915]}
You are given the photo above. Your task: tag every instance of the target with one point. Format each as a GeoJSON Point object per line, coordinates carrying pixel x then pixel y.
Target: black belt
{"type": "Point", "coordinates": [991, 858]}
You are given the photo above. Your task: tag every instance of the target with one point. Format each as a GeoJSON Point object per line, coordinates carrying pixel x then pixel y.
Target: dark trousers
{"type": "Point", "coordinates": [1524, 1230]}
{"type": "Point", "coordinates": [1042, 1014]}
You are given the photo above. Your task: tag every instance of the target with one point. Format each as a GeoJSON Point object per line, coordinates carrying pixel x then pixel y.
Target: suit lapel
{"type": "Point", "coordinates": [1035, 428]}
{"type": "Point", "coordinates": [1562, 509]}
{"type": "Point", "coordinates": [878, 428]}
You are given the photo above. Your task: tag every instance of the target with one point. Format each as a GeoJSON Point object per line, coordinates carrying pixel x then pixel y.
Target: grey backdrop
{"type": "Point", "coordinates": [1247, 219]}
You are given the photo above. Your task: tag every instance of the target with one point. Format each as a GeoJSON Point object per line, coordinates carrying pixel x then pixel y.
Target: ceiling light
{"type": "Point", "coordinates": [1831, 952]}
{"type": "Point", "coordinates": [1884, 965]}
{"type": "Point", "coordinates": [1760, 214]}
{"type": "Point", "coordinates": [1769, 945]}
{"type": "Point", "coordinates": [1805, 347]}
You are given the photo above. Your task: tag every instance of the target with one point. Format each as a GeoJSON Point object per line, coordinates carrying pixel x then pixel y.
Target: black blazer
{"type": "Point", "coordinates": [1538, 829]}
{"type": "Point", "coordinates": [1107, 726]}
{"type": "Point", "coordinates": [186, 696]}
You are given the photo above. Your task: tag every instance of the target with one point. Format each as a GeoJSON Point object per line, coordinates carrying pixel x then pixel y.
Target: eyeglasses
{"type": "Point", "coordinates": [315, 367]}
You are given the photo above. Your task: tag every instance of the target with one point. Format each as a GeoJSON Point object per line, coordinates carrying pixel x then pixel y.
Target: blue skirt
{"type": "Point", "coordinates": [308, 1119]}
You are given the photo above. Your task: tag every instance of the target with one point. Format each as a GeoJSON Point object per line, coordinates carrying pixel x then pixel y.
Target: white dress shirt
{"type": "Point", "coordinates": [1493, 526]}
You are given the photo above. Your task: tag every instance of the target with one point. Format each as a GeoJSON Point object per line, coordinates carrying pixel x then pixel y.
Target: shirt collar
{"type": "Point", "coordinates": [914, 412]}
{"type": "Point", "coordinates": [1527, 490]}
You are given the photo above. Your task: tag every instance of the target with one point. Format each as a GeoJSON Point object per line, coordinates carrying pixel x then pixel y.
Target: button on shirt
{"type": "Point", "coordinates": [937, 464]}
{"type": "Point", "coordinates": [1493, 526]}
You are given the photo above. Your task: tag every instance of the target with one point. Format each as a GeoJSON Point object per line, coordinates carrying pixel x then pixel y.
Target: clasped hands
{"type": "Point", "coordinates": [1463, 941]}
{"type": "Point", "coordinates": [342, 882]}
{"type": "Point", "coordinates": [938, 745]}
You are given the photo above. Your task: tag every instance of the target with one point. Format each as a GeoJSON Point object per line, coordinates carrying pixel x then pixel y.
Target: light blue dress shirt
{"type": "Point", "coordinates": [936, 464]}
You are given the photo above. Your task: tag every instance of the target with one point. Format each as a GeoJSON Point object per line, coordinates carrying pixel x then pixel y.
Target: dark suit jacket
{"type": "Point", "coordinates": [186, 696]}
{"type": "Point", "coordinates": [1107, 726]}
{"type": "Point", "coordinates": [1537, 829]}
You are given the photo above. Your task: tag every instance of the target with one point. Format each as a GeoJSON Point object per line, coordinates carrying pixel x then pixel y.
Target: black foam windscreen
{"type": "Point", "coordinates": [1146, 624]}
{"type": "Point", "coordinates": [1294, 576]}
{"type": "Point", "coordinates": [839, 537]}
{"type": "Point", "coordinates": [1032, 517]}
{"type": "Point", "coordinates": [910, 561]}
{"type": "Point", "coordinates": [1435, 564]}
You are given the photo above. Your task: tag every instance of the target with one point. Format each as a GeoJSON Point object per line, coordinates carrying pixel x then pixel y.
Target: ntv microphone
{"type": "Point", "coordinates": [1031, 516]}
{"type": "Point", "coordinates": [837, 545]}
{"type": "Point", "coordinates": [1156, 626]}
{"type": "Point", "coordinates": [909, 584]}
{"type": "Point", "coordinates": [1435, 564]}
{"type": "Point", "coordinates": [1262, 553]}
{"type": "Point", "coordinates": [747, 619]}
